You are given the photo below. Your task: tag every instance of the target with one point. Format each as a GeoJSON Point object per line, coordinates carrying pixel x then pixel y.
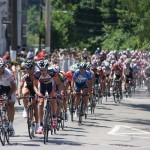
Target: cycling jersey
{"type": "Point", "coordinates": [69, 75]}
{"type": "Point", "coordinates": [5, 84]}
{"type": "Point", "coordinates": [136, 69]}
{"type": "Point", "coordinates": [128, 71]}
{"type": "Point", "coordinates": [28, 85]}
{"type": "Point", "coordinates": [44, 79]}
{"type": "Point", "coordinates": [62, 76]}
{"type": "Point", "coordinates": [46, 82]}
{"type": "Point", "coordinates": [6, 78]}
{"type": "Point", "coordinates": [107, 71]}
{"type": "Point", "coordinates": [81, 78]}
{"type": "Point", "coordinates": [117, 71]}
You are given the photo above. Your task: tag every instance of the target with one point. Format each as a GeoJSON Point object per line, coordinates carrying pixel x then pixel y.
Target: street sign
{"type": "Point", "coordinates": [6, 21]}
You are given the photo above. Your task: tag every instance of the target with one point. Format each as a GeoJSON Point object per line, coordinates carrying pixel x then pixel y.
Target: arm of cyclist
{"type": "Point", "coordinates": [35, 86]}
{"type": "Point", "coordinates": [20, 88]}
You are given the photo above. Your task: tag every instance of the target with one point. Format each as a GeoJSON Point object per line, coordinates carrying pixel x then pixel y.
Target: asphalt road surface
{"type": "Point", "coordinates": [124, 126]}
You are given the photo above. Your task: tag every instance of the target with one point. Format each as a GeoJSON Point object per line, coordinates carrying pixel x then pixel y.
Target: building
{"type": "Point", "coordinates": [3, 13]}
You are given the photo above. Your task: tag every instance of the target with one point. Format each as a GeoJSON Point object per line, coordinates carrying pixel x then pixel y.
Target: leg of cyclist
{"type": "Point", "coordinates": [11, 112]}
{"type": "Point", "coordinates": [54, 107]}
{"type": "Point", "coordinates": [40, 115]}
{"type": "Point", "coordinates": [86, 99]}
{"type": "Point", "coordinates": [25, 93]}
{"type": "Point", "coordinates": [35, 113]}
{"type": "Point", "coordinates": [66, 99]}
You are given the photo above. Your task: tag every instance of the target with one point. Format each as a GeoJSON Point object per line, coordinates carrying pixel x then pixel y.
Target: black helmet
{"type": "Point", "coordinates": [29, 64]}
{"type": "Point", "coordinates": [42, 64]}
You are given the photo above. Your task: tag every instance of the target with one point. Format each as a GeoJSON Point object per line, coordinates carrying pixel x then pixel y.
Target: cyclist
{"type": "Point", "coordinates": [26, 88]}
{"type": "Point", "coordinates": [8, 87]}
{"type": "Point", "coordinates": [102, 79]}
{"type": "Point", "coordinates": [81, 81]}
{"type": "Point", "coordinates": [61, 88]}
{"type": "Point", "coordinates": [44, 81]}
{"type": "Point", "coordinates": [128, 75]}
{"type": "Point", "coordinates": [107, 71]}
{"type": "Point", "coordinates": [147, 73]}
{"type": "Point", "coordinates": [118, 72]}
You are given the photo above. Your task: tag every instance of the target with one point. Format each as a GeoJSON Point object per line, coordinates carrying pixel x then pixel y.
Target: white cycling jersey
{"type": "Point", "coordinates": [6, 78]}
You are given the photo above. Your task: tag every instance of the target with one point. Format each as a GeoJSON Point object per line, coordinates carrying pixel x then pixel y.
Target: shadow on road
{"type": "Point", "coordinates": [144, 107]}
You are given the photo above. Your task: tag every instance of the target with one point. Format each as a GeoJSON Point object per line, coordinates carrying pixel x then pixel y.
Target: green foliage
{"type": "Point", "coordinates": [110, 24]}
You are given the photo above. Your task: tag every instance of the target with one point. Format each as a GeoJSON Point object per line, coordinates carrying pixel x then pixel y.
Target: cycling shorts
{"type": "Point", "coordinates": [6, 90]}
{"type": "Point", "coordinates": [29, 91]}
{"type": "Point", "coordinates": [117, 77]}
{"type": "Point", "coordinates": [78, 87]}
{"type": "Point", "coordinates": [128, 77]}
{"type": "Point", "coordinates": [46, 88]}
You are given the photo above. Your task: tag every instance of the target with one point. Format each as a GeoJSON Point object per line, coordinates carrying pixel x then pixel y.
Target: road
{"type": "Point", "coordinates": [124, 126]}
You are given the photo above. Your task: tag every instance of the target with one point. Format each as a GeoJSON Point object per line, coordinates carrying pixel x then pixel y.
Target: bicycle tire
{"type": "Point", "coordinates": [91, 104]}
{"type": "Point", "coordinates": [63, 120]}
{"type": "Point", "coordinates": [7, 135]}
{"type": "Point", "coordinates": [106, 91]}
{"type": "Point", "coordinates": [71, 107]}
{"type": "Point", "coordinates": [46, 126]}
{"type": "Point", "coordinates": [29, 122]}
{"type": "Point", "coordinates": [80, 111]}
{"type": "Point", "coordinates": [2, 136]}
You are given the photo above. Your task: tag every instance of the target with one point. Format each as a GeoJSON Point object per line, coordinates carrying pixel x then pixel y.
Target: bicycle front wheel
{"type": "Point", "coordinates": [2, 136]}
{"type": "Point", "coordinates": [31, 126]}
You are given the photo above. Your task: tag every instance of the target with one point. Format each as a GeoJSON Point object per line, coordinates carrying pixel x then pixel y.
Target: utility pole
{"type": "Point", "coordinates": [48, 25]}
{"type": "Point", "coordinates": [41, 17]}
{"type": "Point", "coordinates": [19, 4]}
{"type": "Point", "coordinates": [14, 29]}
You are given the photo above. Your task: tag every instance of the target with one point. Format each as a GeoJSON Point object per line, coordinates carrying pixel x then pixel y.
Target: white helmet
{"type": "Point", "coordinates": [56, 68]}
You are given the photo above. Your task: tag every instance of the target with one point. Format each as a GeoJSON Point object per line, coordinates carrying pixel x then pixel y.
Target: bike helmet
{"type": "Point", "coordinates": [107, 64]}
{"type": "Point", "coordinates": [42, 64]}
{"type": "Point", "coordinates": [29, 64]}
{"type": "Point", "coordinates": [82, 65]}
{"type": "Point", "coordinates": [73, 68]}
{"type": "Point", "coordinates": [2, 63]}
{"type": "Point", "coordinates": [56, 68]}
{"type": "Point", "coordinates": [99, 68]}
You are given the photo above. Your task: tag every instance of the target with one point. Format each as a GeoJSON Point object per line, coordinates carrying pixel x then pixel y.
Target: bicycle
{"type": "Point", "coordinates": [61, 117]}
{"type": "Point", "coordinates": [30, 114]}
{"type": "Point", "coordinates": [128, 89]}
{"type": "Point", "coordinates": [47, 119]}
{"type": "Point", "coordinates": [116, 91]}
{"type": "Point", "coordinates": [104, 90]}
{"type": "Point", "coordinates": [93, 99]}
{"type": "Point", "coordinates": [81, 107]}
{"type": "Point", "coordinates": [4, 122]}
{"type": "Point", "coordinates": [71, 104]}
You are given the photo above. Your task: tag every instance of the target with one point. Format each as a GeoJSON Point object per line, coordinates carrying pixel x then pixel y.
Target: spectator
{"type": "Point", "coordinates": [41, 54]}
{"type": "Point", "coordinates": [30, 54]}
{"type": "Point", "coordinates": [6, 57]}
